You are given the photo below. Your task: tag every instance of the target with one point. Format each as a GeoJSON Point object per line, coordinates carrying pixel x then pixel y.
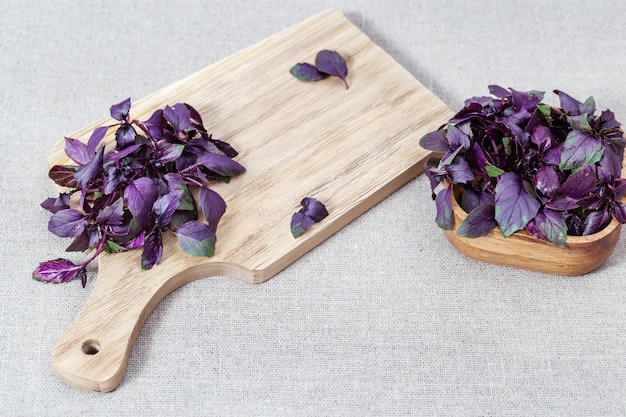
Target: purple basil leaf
{"type": "Point", "coordinates": [472, 198]}
{"type": "Point", "coordinates": [457, 138]}
{"type": "Point", "coordinates": [476, 158]}
{"type": "Point", "coordinates": [330, 62]}
{"type": "Point", "coordinates": [225, 147]}
{"type": "Point", "coordinates": [314, 209]}
{"type": "Point", "coordinates": [569, 104]}
{"type": "Point", "coordinates": [168, 153]}
{"type": "Point", "coordinates": [77, 150]}
{"type": "Point", "coordinates": [165, 206]}
{"type": "Point", "coordinates": [220, 164]}
{"type": "Point", "coordinates": [516, 203]}
{"type": "Point", "coordinates": [140, 196]}
{"type": "Point", "coordinates": [552, 226]}
{"type": "Point", "coordinates": [54, 205]}
{"type": "Point", "coordinates": [460, 171]}
{"type": "Point", "coordinates": [178, 116]}
{"type": "Point", "coordinates": [67, 223]}
{"type": "Point", "coordinates": [580, 148]}
{"type": "Point", "coordinates": [580, 184]}
{"type": "Point", "coordinates": [154, 125]}
{"type": "Point", "coordinates": [498, 91]}
{"type": "Point", "coordinates": [213, 206]}
{"type": "Point", "coordinates": [596, 221]}
{"type": "Point", "coordinates": [306, 72]}
{"type": "Point", "coordinates": [63, 175]}
{"type": "Point", "coordinates": [479, 222]}
{"type": "Point", "coordinates": [91, 170]}
{"type": "Point", "coordinates": [112, 179]}
{"type": "Point", "coordinates": [89, 238]}
{"type": "Point", "coordinates": [196, 238]}
{"type": "Point", "coordinates": [547, 180]}
{"type": "Point", "coordinates": [152, 250]}
{"type": "Point", "coordinates": [618, 186]}
{"type": "Point", "coordinates": [541, 134]}
{"type": "Point", "coordinates": [435, 141]}
{"type": "Point", "coordinates": [58, 271]}
{"type": "Point", "coordinates": [125, 136]}
{"type": "Point", "coordinates": [120, 110]}
{"type": "Point", "coordinates": [610, 165]}
{"type": "Point", "coordinates": [444, 218]}
{"type": "Point", "coordinates": [619, 211]}
{"type": "Point", "coordinates": [300, 223]}
{"type": "Point", "coordinates": [112, 215]}
{"type": "Point", "coordinates": [95, 139]}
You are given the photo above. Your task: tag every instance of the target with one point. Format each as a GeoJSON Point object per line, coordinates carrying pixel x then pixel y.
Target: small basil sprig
{"type": "Point", "coordinates": [312, 211]}
{"type": "Point", "coordinates": [128, 197]}
{"type": "Point", "coordinates": [326, 63]}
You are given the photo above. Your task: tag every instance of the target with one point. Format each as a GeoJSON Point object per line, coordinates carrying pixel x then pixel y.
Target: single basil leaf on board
{"type": "Point", "coordinates": [196, 238]}
{"type": "Point", "coordinates": [552, 226]}
{"type": "Point", "coordinates": [516, 203]}
{"type": "Point", "coordinates": [330, 62]}
{"type": "Point", "coordinates": [59, 270]}
{"type": "Point", "coordinates": [307, 72]}
{"type": "Point", "coordinates": [479, 222]}
{"type": "Point", "coordinates": [77, 150]}
{"type": "Point", "coordinates": [312, 211]}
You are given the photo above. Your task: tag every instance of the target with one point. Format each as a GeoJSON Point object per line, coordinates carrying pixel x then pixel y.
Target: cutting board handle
{"type": "Point", "coordinates": [94, 351]}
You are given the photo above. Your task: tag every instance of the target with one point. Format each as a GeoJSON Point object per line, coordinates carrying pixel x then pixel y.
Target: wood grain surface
{"type": "Point", "coordinates": [349, 148]}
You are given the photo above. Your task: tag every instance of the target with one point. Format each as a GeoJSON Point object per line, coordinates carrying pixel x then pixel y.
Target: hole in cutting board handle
{"type": "Point", "coordinates": [91, 347]}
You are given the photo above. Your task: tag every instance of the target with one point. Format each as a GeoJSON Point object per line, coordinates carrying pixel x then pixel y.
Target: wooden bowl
{"type": "Point", "coordinates": [582, 254]}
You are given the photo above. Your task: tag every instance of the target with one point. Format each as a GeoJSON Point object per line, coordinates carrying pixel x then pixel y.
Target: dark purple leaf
{"type": "Point", "coordinates": [306, 72]}
{"type": "Point", "coordinates": [112, 179]}
{"type": "Point", "coordinates": [165, 206]}
{"type": "Point", "coordinates": [125, 136]}
{"type": "Point", "coordinates": [95, 139]}
{"type": "Point", "coordinates": [140, 196]}
{"type": "Point", "coordinates": [314, 209]}
{"type": "Point", "coordinates": [569, 104]}
{"type": "Point", "coordinates": [120, 110]}
{"type": "Point", "coordinates": [479, 222]}
{"type": "Point", "coordinates": [596, 221]}
{"type": "Point", "coordinates": [541, 134]}
{"type": "Point", "coordinates": [498, 91]}
{"type": "Point", "coordinates": [610, 165]}
{"type": "Point", "coordinates": [472, 198]}
{"type": "Point", "coordinates": [552, 226]}
{"type": "Point", "coordinates": [444, 218]}
{"type": "Point", "coordinates": [619, 211]}
{"type": "Point", "coordinates": [77, 150]}
{"type": "Point", "coordinates": [112, 215]}
{"type": "Point", "coordinates": [67, 223]}
{"type": "Point", "coordinates": [460, 171]}
{"type": "Point", "coordinates": [330, 62]}
{"type": "Point", "coordinates": [300, 223]}
{"type": "Point", "coordinates": [477, 160]}
{"type": "Point", "coordinates": [88, 172]}
{"type": "Point", "coordinates": [59, 270]}
{"type": "Point", "coordinates": [435, 141]}
{"type": "Point", "coordinates": [196, 238]}
{"type": "Point", "coordinates": [178, 116]}
{"type": "Point", "coordinates": [220, 164]}
{"type": "Point", "coordinates": [225, 147]}
{"type": "Point", "coordinates": [168, 153]}
{"type": "Point", "coordinates": [54, 205]}
{"type": "Point", "coordinates": [580, 148]}
{"type": "Point", "coordinates": [580, 184]}
{"type": "Point", "coordinates": [154, 125]}
{"type": "Point", "coordinates": [213, 206]}
{"type": "Point", "coordinates": [63, 175]}
{"type": "Point", "coordinates": [457, 138]}
{"type": "Point", "coordinates": [516, 203]}
{"type": "Point", "coordinates": [152, 250]}
{"type": "Point", "coordinates": [547, 180]}
{"type": "Point", "coordinates": [553, 155]}
{"type": "Point", "coordinates": [87, 239]}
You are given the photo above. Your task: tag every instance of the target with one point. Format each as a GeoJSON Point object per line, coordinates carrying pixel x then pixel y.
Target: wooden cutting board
{"type": "Point", "coordinates": [349, 148]}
